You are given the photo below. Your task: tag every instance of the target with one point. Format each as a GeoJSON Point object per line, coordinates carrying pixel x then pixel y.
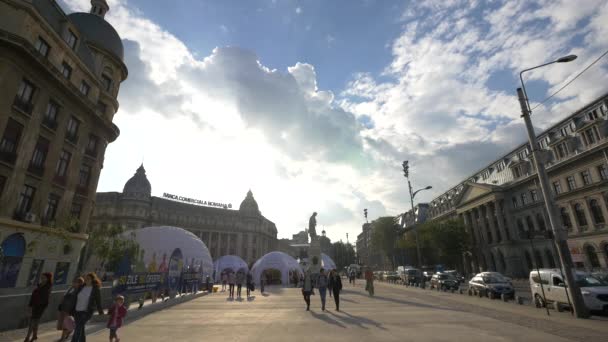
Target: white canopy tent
{"type": "Point", "coordinates": [277, 261]}
{"type": "Point", "coordinates": [327, 263]}
{"type": "Point", "coordinates": [231, 262]}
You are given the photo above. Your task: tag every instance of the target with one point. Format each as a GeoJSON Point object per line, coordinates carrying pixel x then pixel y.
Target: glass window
{"type": "Point", "coordinates": [39, 155]}
{"type": "Point", "coordinates": [62, 163]}
{"type": "Point", "coordinates": [571, 182]}
{"type": "Point", "coordinates": [26, 198]}
{"type": "Point", "coordinates": [596, 211]}
{"type": "Point", "coordinates": [603, 171]}
{"type": "Point", "coordinates": [72, 129]}
{"type": "Point", "coordinates": [85, 88]}
{"type": "Point", "coordinates": [592, 115]}
{"type": "Point", "coordinates": [524, 198]}
{"type": "Point", "coordinates": [534, 195]}
{"type": "Point", "coordinates": [85, 173]}
{"type": "Point", "coordinates": [561, 150]}
{"type": "Point", "coordinates": [66, 70]}
{"type": "Point", "coordinates": [530, 223]}
{"type": "Point", "coordinates": [565, 218]}
{"type": "Point", "coordinates": [51, 208]}
{"type": "Point", "coordinates": [24, 96]}
{"type": "Point", "coordinates": [92, 145]}
{"type": "Point", "coordinates": [107, 82]}
{"type": "Point", "coordinates": [540, 220]}
{"type": "Point", "coordinates": [580, 215]}
{"type": "Point", "coordinates": [10, 141]}
{"type": "Point", "coordinates": [557, 187]}
{"type": "Point", "coordinates": [516, 172]}
{"type": "Point", "coordinates": [43, 47]}
{"type": "Point", "coordinates": [586, 177]}
{"type": "Point", "coordinates": [2, 183]}
{"type": "Point", "coordinates": [102, 107]}
{"type": "Point", "coordinates": [71, 39]}
{"type": "Point", "coordinates": [590, 136]}
{"type": "Point", "coordinates": [50, 115]}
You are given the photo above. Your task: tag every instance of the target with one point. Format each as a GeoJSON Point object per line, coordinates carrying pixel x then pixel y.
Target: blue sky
{"type": "Point", "coordinates": [313, 105]}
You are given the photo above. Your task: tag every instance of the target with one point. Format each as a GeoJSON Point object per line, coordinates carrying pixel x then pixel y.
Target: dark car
{"type": "Point", "coordinates": [456, 275]}
{"type": "Point", "coordinates": [412, 276]}
{"type": "Point", "coordinates": [444, 281]}
{"type": "Point", "coordinates": [491, 284]}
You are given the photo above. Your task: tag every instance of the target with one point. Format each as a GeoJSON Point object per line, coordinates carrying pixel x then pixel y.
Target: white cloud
{"type": "Point", "coordinates": [298, 10]}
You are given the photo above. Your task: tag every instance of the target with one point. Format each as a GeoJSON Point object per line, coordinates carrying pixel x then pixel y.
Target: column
{"type": "Point", "coordinates": [501, 222]}
{"type": "Point", "coordinates": [575, 228]}
{"type": "Point", "coordinates": [590, 221]}
{"type": "Point", "coordinates": [478, 219]}
{"type": "Point", "coordinates": [602, 202]}
{"type": "Point", "coordinates": [490, 212]}
{"type": "Point", "coordinates": [468, 227]}
{"type": "Point", "coordinates": [488, 224]}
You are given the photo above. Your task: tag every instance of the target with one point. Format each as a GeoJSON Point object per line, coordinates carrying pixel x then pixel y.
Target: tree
{"type": "Point", "coordinates": [344, 254]}
{"type": "Point", "coordinates": [109, 246]}
{"type": "Point", "coordinates": [385, 233]}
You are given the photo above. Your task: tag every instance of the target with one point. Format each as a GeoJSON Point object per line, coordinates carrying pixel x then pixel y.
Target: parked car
{"type": "Point", "coordinates": [491, 284]}
{"type": "Point", "coordinates": [594, 290]}
{"type": "Point", "coordinates": [603, 276]}
{"type": "Point", "coordinates": [411, 276]}
{"type": "Point", "coordinates": [444, 281]}
{"type": "Point", "coordinates": [456, 275]}
{"type": "Point", "coordinates": [427, 275]}
{"type": "Point", "coordinates": [391, 276]}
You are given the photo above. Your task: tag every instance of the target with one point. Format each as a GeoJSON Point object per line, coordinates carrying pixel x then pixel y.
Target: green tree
{"type": "Point", "coordinates": [344, 254]}
{"type": "Point", "coordinates": [109, 245]}
{"type": "Point", "coordinates": [385, 234]}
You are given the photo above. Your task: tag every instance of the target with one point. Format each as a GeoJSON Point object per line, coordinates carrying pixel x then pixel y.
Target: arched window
{"type": "Point", "coordinates": [539, 259]}
{"type": "Point", "coordinates": [530, 223]}
{"type": "Point", "coordinates": [596, 211]}
{"type": "Point", "coordinates": [580, 215]}
{"type": "Point", "coordinates": [529, 260]}
{"type": "Point", "coordinates": [541, 222]}
{"type": "Point", "coordinates": [565, 218]}
{"type": "Point", "coordinates": [550, 258]}
{"type": "Point", "coordinates": [521, 229]}
{"type": "Point", "coordinates": [592, 258]}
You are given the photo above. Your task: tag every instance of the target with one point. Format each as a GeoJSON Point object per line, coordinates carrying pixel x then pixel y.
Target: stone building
{"type": "Point", "coordinates": [244, 232]}
{"type": "Point", "coordinates": [411, 218]}
{"type": "Point", "coordinates": [502, 206]}
{"type": "Point", "coordinates": [60, 77]}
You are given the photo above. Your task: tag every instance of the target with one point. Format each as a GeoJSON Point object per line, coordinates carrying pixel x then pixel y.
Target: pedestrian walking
{"type": "Point", "coordinates": [66, 309]}
{"type": "Point", "coordinates": [335, 283]}
{"type": "Point", "coordinates": [87, 301]}
{"type": "Point", "coordinates": [262, 281]}
{"type": "Point", "coordinates": [224, 280]}
{"type": "Point", "coordinates": [307, 288]}
{"type": "Point", "coordinates": [369, 282]}
{"type": "Point", "coordinates": [39, 300]}
{"type": "Point", "coordinates": [329, 283]}
{"type": "Point", "coordinates": [322, 283]}
{"type": "Point", "coordinates": [250, 285]}
{"type": "Point", "coordinates": [241, 278]}
{"type": "Point", "coordinates": [117, 312]}
{"type": "Point", "coordinates": [231, 281]}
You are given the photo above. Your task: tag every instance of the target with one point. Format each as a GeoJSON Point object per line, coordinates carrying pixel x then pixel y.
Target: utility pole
{"type": "Point", "coordinates": [560, 235]}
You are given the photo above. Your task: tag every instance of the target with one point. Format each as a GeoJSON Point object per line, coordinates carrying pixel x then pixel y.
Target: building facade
{"type": "Point", "coordinates": [502, 208]}
{"type": "Point", "coordinates": [412, 217]}
{"type": "Point", "coordinates": [59, 80]}
{"type": "Point", "coordinates": [244, 232]}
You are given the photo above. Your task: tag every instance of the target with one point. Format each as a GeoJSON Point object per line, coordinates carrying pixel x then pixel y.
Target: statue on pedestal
{"type": "Point", "coordinates": [312, 224]}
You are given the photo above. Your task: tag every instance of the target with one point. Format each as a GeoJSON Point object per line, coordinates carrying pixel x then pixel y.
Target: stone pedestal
{"type": "Point", "coordinates": [314, 251]}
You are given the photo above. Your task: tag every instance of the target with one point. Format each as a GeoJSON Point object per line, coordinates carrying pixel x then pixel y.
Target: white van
{"type": "Point", "coordinates": [595, 291]}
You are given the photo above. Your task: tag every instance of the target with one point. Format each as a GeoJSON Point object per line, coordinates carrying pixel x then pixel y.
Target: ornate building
{"type": "Point", "coordinates": [60, 77]}
{"type": "Point", "coordinates": [502, 207]}
{"type": "Point", "coordinates": [244, 232]}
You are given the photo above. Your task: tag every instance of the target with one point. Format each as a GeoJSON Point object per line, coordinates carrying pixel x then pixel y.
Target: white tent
{"type": "Point", "coordinates": [327, 263]}
{"type": "Point", "coordinates": [232, 262]}
{"type": "Point", "coordinates": [278, 261]}
{"type": "Point", "coordinates": [159, 244]}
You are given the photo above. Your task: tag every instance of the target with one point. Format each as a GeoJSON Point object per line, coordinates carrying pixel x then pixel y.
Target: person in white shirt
{"type": "Point", "coordinates": [88, 299]}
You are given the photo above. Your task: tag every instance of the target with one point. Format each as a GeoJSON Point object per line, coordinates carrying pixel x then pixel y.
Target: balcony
{"type": "Point", "coordinates": [37, 170]}
{"type": "Point", "coordinates": [8, 157]}
{"type": "Point", "coordinates": [24, 106]}
{"type": "Point", "coordinates": [50, 124]}
{"type": "Point", "coordinates": [72, 137]}
{"type": "Point", "coordinates": [91, 153]}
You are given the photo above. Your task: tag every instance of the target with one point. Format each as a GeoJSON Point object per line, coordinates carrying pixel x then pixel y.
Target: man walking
{"type": "Point", "coordinates": [231, 281]}
{"type": "Point", "coordinates": [369, 282]}
{"type": "Point", "coordinates": [307, 289]}
{"type": "Point", "coordinates": [335, 284]}
{"type": "Point", "coordinates": [322, 286]}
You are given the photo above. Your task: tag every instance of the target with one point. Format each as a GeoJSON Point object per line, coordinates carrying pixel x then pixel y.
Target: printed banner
{"type": "Point", "coordinates": [139, 282]}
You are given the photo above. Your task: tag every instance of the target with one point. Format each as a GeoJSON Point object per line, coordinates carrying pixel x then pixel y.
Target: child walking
{"type": "Point", "coordinates": [117, 312]}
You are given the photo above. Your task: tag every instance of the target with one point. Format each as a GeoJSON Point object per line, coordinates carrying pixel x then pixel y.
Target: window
{"type": "Point", "coordinates": [586, 177]}
{"type": "Point", "coordinates": [592, 115]}
{"type": "Point", "coordinates": [580, 215]}
{"type": "Point", "coordinates": [71, 39]}
{"type": "Point", "coordinates": [66, 70]}
{"type": "Point", "coordinates": [51, 208]}
{"type": "Point", "coordinates": [2, 183]}
{"type": "Point", "coordinates": [557, 187]}
{"type": "Point", "coordinates": [515, 204]}
{"type": "Point", "coordinates": [565, 218]}
{"type": "Point", "coordinates": [84, 88]}
{"type": "Point", "coordinates": [500, 166]}
{"type": "Point", "coordinates": [85, 174]}
{"type": "Point", "coordinates": [24, 203]}
{"type": "Point", "coordinates": [530, 223]}
{"type": "Point", "coordinates": [72, 131]}
{"type": "Point", "coordinates": [485, 174]}
{"type": "Point", "coordinates": [102, 107]}
{"type": "Point", "coordinates": [50, 115]}
{"type": "Point", "coordinates": [62, 164]}
{"type": "Point", "coordinates": [596, 211]}
{"type": "Point", "coordinates": [91, 149]}
{"type": "Point", "coordinates": [591, 136]}
{"type": "Point", "coordinates": [522, 154]}
{"type": "Point", "coordinates": [524, 199]}
{"type": "Point", "coordinates": [107, 82]}
{"type": "Point", "coordinates": [76, 210]}
{"type": "Point", "coordinates": [10, 141]}
{"type": "Point", "coordinates": [43, 47]}
{"type": "Point", "coordinates": [540, 220]}
{"type": "Point", "coordinates": [520, 228]}
{"type": "Point", "coordinates": [25, 94]}
{"type": "Point", "coordinates": [39, 156]}
{"type": "Point", "coordinates": [561, 150]}
{"type": "Point", "coordinates": [603, 171]}
{"type": "Point", "coordinates": [564, 131]}
{"type": "Point", "coordinates": [571, 183]}
{"type": "Point", "coordinates": [534, 195]}
{"type": "Point", "coordinates": [516, 172]}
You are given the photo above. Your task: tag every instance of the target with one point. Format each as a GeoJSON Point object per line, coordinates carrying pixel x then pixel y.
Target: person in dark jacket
{"type": "Point", "coordinates": [88, 300]}
{"type": "Point", "coordinates": [335, 283]}
{"type": "Point", "coordinates": [38, 303]}
{"type": "Point", "coordinates": [67, 306]}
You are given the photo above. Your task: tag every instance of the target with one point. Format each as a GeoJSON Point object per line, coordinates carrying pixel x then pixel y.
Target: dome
{"type": "Point", "coordinates": [277, 261]}
{"type": "Point", "coordinates": [161, 245]}
{"type": "Point", "coordinates": [249, 205]}
{"type": "Point", "coordinates": [232, 262]}
{"type": "Point", "coordinates": [98, 32]}
{"type": "Point", "coordinates": [327, 263]}
{"type": "Point", "coordinates": [138, 185]}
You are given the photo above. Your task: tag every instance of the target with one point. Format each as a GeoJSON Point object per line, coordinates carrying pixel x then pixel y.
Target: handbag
{"type": "Point", "coordinates": [68, 323]}
{"type": "Point", "coordinates": [251, 287]}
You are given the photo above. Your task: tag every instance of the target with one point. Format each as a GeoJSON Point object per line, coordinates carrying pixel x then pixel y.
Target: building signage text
{"type": "Point", "coordinates": [197, 201]}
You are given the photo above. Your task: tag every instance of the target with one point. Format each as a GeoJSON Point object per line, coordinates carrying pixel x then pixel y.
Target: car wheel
{"type": "Point", "coordinates": [538, 301]}
{"type": "Point", "coordinates": [480, 293]}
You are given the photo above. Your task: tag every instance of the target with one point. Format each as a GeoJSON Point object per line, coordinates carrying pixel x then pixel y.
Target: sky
{"type": "Point", "coordinates": [314, 105]}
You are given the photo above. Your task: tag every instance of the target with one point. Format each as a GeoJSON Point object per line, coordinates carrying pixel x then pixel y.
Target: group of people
{"type": "Point", "coordinates": [77, 306]}
{"type": "Point", "coordinates": [323, 282]}
{"type": "Point", "coordinates": [238, 279]}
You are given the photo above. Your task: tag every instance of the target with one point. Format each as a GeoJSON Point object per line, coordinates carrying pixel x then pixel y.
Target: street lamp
{"type": "Point", "coordinates": [406, 174]}
{"type": "Point", "coordinates": [560, 236]}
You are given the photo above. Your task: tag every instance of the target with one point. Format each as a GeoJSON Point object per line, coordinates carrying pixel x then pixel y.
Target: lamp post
{"type": "Point", "coordinates": [406, 174]}
{"type": "Point", "coordinates": [560, 236]}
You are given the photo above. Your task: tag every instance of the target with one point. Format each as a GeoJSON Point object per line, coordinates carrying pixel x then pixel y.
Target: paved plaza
{"type": "Point", "coordinates": [396, 313]}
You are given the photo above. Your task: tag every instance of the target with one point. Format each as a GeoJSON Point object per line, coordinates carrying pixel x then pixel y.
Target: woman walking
{"type": "Point", "coordinates": [87, 301]}
{"type": "Point", "coordinates": [66, 308]}
{"type": "Point", "coordinates": [307, 289]}
{"type": "Point", "coordinates": [322, 283]}
{"type": "Point", "coordinates": [335, 283]}
{"type": "Point", "coordinates": [231, 281]}
{"type": "Point", "coordinates": [224, 281]}
{"type": "Point", "coordinates": [262, 281]}
{"type": "Point", "coordinates": [249, 284]}
{"type": "Point", "coordinates": [240, 280]}
{"type": "Point", "coordinates": [369, 282]}
{"type": "Point", "coordinates": [38, 303]}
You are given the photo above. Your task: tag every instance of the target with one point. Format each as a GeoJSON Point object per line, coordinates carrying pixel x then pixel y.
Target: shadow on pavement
{"type": "Point", "coordinates": [251, 298]}
{"type": "Point", "coordinates": [357, 320]}
{"type": "Point", "coordinates": [325, 318]}
{"type": "Point", "coordinates": [348, 300]}
{"type": "Point", "coordinates": [401, 301]}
